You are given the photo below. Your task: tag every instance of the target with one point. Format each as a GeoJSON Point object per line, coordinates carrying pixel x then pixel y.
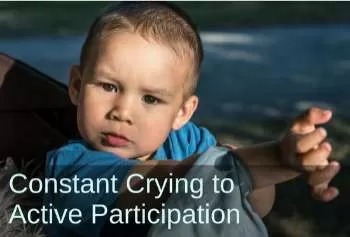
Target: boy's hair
{"type": "Point", "coordinates": [160, 21]}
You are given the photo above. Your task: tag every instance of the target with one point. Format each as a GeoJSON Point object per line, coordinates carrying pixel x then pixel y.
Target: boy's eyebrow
{"type": "Point", "coordinates": [105, 75]}
{"type": "Point", "coordinates": [159, 91]}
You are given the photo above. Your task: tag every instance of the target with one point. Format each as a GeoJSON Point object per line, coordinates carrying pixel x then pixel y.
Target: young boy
{"type": "Point", "coordinates": [134, 92]}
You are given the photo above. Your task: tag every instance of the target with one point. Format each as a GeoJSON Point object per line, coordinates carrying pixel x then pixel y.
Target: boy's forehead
{"type": "Point", "coordinates": [179, 48]}
{"type": "Point", "coordinates": [130, 54]}
{"type": "Point", "coordinates": [130, 50]}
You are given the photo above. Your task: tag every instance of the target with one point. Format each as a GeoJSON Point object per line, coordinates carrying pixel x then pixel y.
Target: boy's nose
{"type": "Point", "coordinates": [121, 111]}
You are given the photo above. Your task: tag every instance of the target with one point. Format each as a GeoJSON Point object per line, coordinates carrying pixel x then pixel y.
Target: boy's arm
{"type": "Point", "coordinates": [302, 147]}
{"type": "Point", "coordinates": [262, 200]}
{"type": "Point", "coordinates": [158, 169]}
{"type": "Point", "coordinates": [264, 177]}
{"type": "Point", "coordinates": [269, 163]}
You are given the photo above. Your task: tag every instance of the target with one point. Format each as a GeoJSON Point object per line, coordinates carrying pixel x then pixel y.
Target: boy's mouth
{"type": "Point", "coordinates": [114, 140]}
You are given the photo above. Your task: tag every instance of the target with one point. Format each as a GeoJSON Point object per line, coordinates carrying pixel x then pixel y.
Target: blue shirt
{"type": "Point", "coordinates": [77, 158]}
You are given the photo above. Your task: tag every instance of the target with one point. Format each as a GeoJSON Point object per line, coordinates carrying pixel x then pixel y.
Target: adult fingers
{"type": "Point", "coordinates": [320, 177]}
{"type": "Point", "coordinates": [325, 194]}
{"type": "Point", "coordinates": [315, 159]}
{"type": "Point", "coordinates": [319, 181]}
{"type": "Point", "coordinates": [305, 122]}
{"type": "Point", "coordinates": [311, 140]}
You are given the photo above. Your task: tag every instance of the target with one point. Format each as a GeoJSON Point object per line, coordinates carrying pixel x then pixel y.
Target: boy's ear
{"type": "Point", "coordinates": [185, 113]}
{"type": "Point", "coordinates": [74, 84]}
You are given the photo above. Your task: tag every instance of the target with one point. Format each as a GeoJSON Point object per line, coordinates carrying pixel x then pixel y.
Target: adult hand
{"type": "Point", "coordinates": [305, 148]}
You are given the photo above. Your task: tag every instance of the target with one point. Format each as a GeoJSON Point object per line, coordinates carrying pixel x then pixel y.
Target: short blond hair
{"type": "Point", "coordinates": [160, 21]}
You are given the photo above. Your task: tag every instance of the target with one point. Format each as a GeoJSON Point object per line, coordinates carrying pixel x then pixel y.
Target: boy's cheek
{"type": "Point", "coordinates": [154, 129]}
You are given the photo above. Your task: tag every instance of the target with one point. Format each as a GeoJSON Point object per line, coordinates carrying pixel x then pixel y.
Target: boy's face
{"type": "Point", "coordinates": [130, 95]}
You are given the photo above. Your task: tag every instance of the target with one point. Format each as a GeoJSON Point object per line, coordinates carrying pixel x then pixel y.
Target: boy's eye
{"type": "Point", "coordinates": [109, 87]}
{"type": "Point", "coordinates": [148, 99]}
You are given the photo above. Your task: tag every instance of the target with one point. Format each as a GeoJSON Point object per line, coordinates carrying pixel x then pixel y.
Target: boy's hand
{"type": "Point", "coordinates": [304, 148]}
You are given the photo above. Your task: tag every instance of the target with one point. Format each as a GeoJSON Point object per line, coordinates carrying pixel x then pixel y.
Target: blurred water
{"type": "Point", "coordinates": [246, 72]}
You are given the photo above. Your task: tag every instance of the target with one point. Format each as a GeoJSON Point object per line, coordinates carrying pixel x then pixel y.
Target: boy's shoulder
{"type": "Point", "coordinates": [193, 135]}
{"type": "Point", "coordinates": [73, 149]}
{"type": "Point", "coordinates": [186, 141]}
{"type": "Point", "coordinates": [78, 153]}
{"type": "Point", "coordinates": [72, 146]}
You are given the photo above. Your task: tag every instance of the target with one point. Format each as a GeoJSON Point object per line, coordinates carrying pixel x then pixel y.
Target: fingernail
{"type": "Point", "coordinates": [323, 131]}
{"type": "Point", "coordinates": [334, 164]}
{"type": "Point", "coordinates": [327, 146]}
{"type": "Point", "coordinates": [326, 112]}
